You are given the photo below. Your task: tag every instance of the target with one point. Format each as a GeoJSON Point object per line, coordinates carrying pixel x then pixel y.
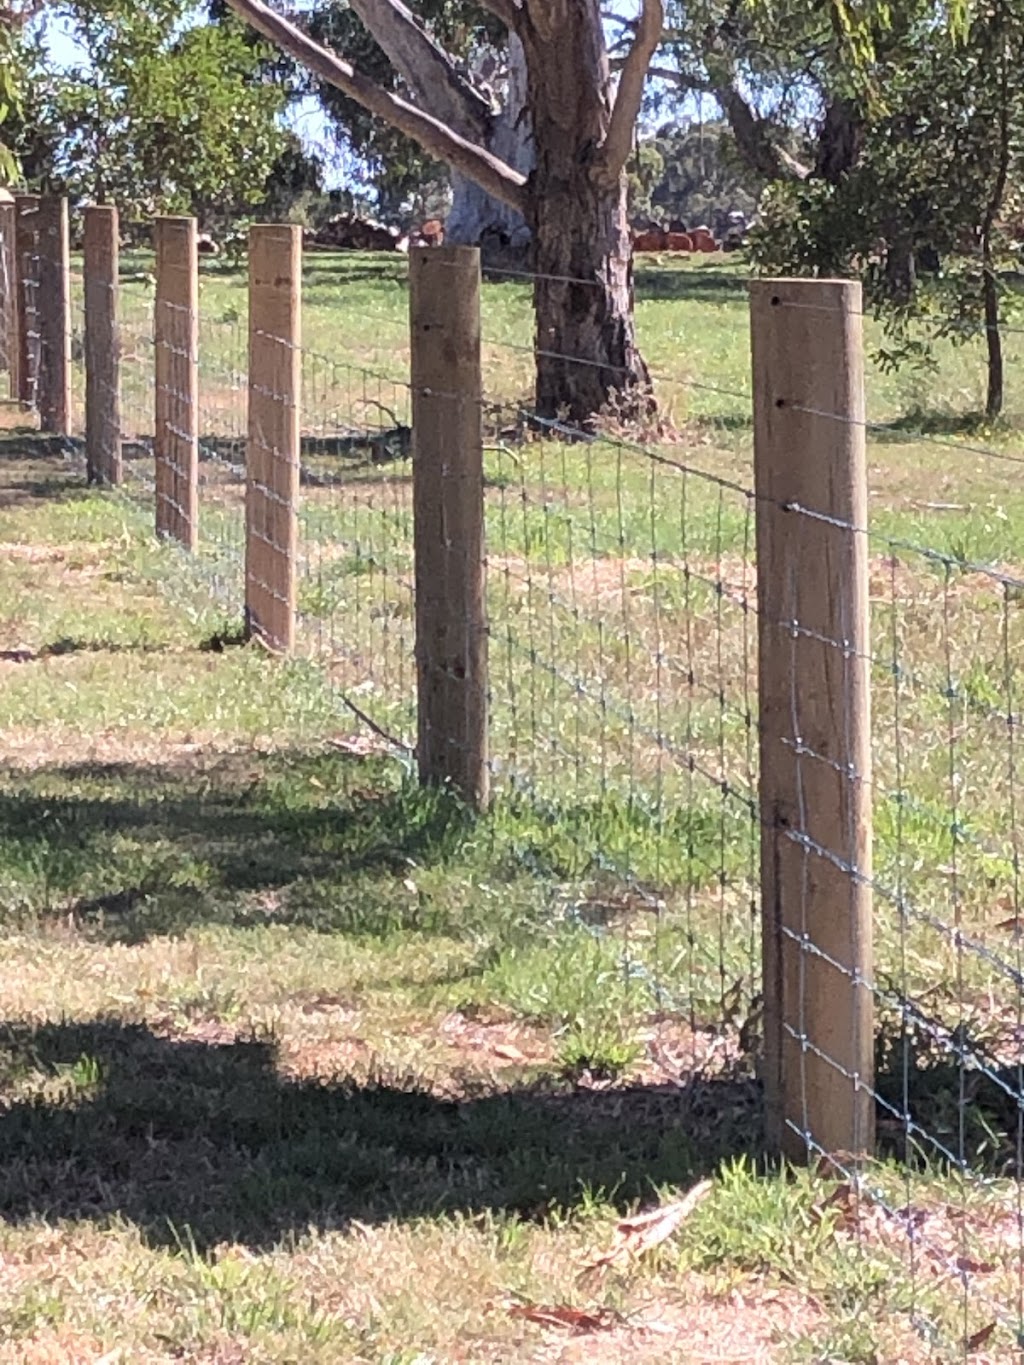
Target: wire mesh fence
{"type": "Point", "coordinates": [627, 633]}
{"type": "Point", "coordinates": [622, 669]}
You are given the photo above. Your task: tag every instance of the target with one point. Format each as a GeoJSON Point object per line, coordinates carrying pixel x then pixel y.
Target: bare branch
{"type": "Point", "coordinates": [686, 80]}
{"type": "Point", "coordinates": [424, 65]}
{"type": "Point", "coordinates": [619, 140]}
{"type": "Point", "coordinates": [435, 137]}
{"type": "Point", "coordinates": [761, 154]}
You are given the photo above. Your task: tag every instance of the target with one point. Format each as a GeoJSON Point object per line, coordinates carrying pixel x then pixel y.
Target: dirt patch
{"type": "Point", "coordinates": [30, 749]}
{"type": "Point", "coordinates": [36, 554]}
{"type": "Point", "coordinates": [752, 1323]}
{"type": "Point", "coordinates": [494, 1045]}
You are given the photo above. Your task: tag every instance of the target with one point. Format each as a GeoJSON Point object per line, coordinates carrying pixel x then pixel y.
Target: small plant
{"type": "Point", "coordinates": [600, 1048]}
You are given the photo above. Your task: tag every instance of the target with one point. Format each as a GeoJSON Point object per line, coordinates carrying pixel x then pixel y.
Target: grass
{"type": "Point", "coordinates": [300, 1062]}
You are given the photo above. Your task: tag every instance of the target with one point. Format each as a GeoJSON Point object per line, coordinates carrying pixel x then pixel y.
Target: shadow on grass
{"type": "Point", "coordinates": [313, 838]}
{"type": "Point", "coordinates": [347, 457]}
{"type": "Point", "coordinates": [206, 1141]}
{"type": "Point", "coordinates": [925, 422]}
{"type": "Point", "coordinates": [136, 850]}
{"type": "Point", "coordinates": [700, 285]}
{"type": "Point", "coordinates": [32, 469]}
{"type": "Point", "coordinates": [724, 421]}
{"type": "Point", "coordinates": [209, 1140]}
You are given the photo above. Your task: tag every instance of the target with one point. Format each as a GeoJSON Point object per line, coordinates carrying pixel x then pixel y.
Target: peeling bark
{"type": "Point", "coordinates": [477, 218]}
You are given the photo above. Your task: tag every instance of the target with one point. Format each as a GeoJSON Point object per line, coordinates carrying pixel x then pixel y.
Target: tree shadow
{"type": "Point", "coordinates": [924, 422]}
{"type": "Point", "coordinates": [207, 1139]}
{"type": "Point", "coordinates": [132, 851]}
{"type": "Point", "coordinates": [701, 285]}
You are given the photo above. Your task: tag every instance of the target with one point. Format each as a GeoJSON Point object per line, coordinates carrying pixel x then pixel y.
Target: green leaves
{"type": "Point", "coordinates": [164, 115]}
{"type": "Point", "coordinates": [11, 94]}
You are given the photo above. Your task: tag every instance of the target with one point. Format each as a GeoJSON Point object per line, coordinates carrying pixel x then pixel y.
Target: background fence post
{"type": "Point", "coordinates": [26, 285]}
{"type": "Point", "coordinates": [176, 344]}
{"type": "Point", "coordinates": [272, 449]}
{"type": "Point", "coordinates": [9, 345]}
{"type": "Point", "coordinates": [448, 509]}
{"type": "Point", "coordinates": [102, 347]}
{"type": "Point", "coordinates": [53, 307]}
{"type": "Point", "coordinates": [815, 732]}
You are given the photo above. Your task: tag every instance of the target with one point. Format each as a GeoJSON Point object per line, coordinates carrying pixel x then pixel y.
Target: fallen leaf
{"type": "Point", "coordinates": [975, 1342]}
{"type": "Point", "coordinates": [645, 1231]}
{"type": "Point", "coordinates": [1013, 923]}
{"type": "Point", "coordinates": [577, 1320]}
{"type": "Point", "coordinates": [508, 1052]}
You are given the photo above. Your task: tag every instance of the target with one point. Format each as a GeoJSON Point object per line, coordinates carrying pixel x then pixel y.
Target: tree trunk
{"type": "Point", "coordinates": [587, 355]}
{"type": "Point", "coordinates": [477, 218]}
{"type": "Point", "coordinates": [989, 283]}
{"type": "Point", "coordinates": [993, 340]}
{"type": "Point", "coordinates": [900, 272]}
{"type": "Point", "coordinates": [840, 140]}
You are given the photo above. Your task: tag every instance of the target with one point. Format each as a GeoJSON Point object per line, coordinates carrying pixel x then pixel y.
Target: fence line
{"type": "Point", "coordinates": [683, 727]}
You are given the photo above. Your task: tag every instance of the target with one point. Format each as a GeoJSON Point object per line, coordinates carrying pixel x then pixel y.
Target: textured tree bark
{"type": "Point", "coordinates": [576, 210]}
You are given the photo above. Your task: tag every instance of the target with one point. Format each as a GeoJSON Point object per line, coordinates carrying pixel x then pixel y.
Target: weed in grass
{"type": "Point", "coordinates": [599, 1048]}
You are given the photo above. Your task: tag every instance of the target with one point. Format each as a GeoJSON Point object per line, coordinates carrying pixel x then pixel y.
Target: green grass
{"type": "Point", "coordinates": [299, 1061]}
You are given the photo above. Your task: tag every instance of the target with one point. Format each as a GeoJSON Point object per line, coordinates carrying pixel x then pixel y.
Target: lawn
{"type": "Point", "coordinates": [302, 1063]}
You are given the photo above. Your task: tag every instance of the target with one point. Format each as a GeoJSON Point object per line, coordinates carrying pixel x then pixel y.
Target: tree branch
{"type": "Point", "coordinates": [619, 139]}
{"type": "Point", "coordinates": [760, 153]}
{"type": "Point", "coordinates": [434, 136]}
{"type": "Point", "coordinates": [507, 11]}
{"type": "Point", "coordinates": [685, 80]}
{"type": "Point", "coordinates": [424, 65]}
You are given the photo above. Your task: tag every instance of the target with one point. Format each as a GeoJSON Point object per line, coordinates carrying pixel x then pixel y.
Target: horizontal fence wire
{"type": "Point", "coordinates": [621, 671]}
{"type": "Point", "coordinates": [624, 620]}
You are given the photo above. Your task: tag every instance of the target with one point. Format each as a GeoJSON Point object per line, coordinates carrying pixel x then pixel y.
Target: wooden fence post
{"type": "Point", "coordinates": [176, 344]}
{"type": "Point", "coordinates": [272, 449]}
{"type": "Point", "coordinates": [448, 509]}
{"type": "Point", "coordinates": [102, 348]}
{"type": "Point", "coordinates": [815, 730]}
{"type": "Point", "coordinates": [26, 285]}
{"type": "Point", "coordinates": [53, 307]}
{"type": "Point", "coordinates": [9, 345]}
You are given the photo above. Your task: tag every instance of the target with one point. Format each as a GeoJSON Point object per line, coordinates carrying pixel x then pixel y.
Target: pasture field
{"type": "Point", "coordinates": [301, 1063]}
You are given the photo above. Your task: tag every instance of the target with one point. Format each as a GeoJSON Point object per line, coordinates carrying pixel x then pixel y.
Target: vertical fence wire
{"type": "Point", "coordinates": [622, 666]}
{"type": "Point", "coordinates": [624, 620]}
{"type": "Point", "coordinates": [355, 561]}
